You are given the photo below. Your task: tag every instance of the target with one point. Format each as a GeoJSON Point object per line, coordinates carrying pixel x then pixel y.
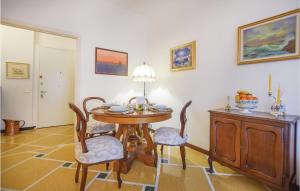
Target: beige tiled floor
{"type": "Point", "coordinates": [33, 160]}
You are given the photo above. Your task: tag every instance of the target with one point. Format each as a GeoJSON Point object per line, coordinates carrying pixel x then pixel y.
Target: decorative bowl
{"type": "Point", "coordinates": [246, 105]}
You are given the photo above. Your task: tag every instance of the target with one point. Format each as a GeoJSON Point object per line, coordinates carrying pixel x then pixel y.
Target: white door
{"type": "Point", "coordinates": [56, 86]}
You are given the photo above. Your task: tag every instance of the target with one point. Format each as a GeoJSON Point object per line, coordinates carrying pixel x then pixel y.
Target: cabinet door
{"type": "Point", "coordinates": [225, 140]}
{"type": "Point", "coordinates": [262, 151]}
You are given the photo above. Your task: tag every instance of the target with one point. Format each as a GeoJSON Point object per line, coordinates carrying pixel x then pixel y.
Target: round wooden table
{"type": "Point", "coordinates": [140, 147]}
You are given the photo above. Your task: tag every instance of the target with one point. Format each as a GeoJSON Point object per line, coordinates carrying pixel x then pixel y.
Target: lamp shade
{"type": "Point", "coordinates": [143, 73]}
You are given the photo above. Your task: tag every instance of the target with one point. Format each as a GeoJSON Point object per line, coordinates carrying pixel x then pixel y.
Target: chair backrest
{"type": "Point", "coordinates": [86, 111]}
{"type": "Point", "coordinates": [183, 117]}
{"type": "Point", "coordinates": [131, 100]}
{"type": "Point", "coordinates": [80, 126]}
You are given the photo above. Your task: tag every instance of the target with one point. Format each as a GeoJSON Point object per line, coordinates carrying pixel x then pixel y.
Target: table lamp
{"type": "Point", "coordinates": [143, 73]}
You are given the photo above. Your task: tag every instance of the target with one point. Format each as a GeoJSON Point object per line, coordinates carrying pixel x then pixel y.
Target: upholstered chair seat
{"type": "Point", "coordinates": [101, 148]}
{"type": "Point", "coordinates": [96, 127]}
{"type": "Point", "coordinates": [169, 136]}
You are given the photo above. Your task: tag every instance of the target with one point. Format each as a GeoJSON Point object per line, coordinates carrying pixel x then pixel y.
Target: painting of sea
{"type": "Point", "coordinates": [267, 41]}
{"type": "Point", "coordinates": [111, 62]}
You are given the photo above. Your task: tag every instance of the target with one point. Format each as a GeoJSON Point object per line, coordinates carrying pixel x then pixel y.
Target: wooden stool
{"type": "Point", "coordinates": [12, 127]}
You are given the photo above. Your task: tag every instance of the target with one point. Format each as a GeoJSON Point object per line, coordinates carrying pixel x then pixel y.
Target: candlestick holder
{"type": "Point", "coordinates": [277, 109]}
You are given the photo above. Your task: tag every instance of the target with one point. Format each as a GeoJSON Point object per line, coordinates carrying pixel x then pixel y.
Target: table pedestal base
{"type": "Point", "coordinates": [141, 149]}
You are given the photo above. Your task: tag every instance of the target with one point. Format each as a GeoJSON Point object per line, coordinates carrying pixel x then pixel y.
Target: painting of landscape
{"type": "Point", "coordinates": [111, 62]}
{"type": "Point", "coordinates": [270, 40]}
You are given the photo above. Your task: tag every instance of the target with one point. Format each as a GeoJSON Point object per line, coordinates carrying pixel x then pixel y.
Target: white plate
{"type": "Point", "coordinates": [159, 106]}
{"type": "Point", "coordinates": [117, 109]}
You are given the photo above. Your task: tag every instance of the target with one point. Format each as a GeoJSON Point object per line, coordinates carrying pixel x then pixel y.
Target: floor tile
{"type": "Point", "coordinates": [22, 138]}
{"type": "Point", "coordinates": [7, 146]}
{"type": "Point", "coordinates": [138, 173]}
{"type": "Point", "coordinates": [176, 179]}
{"type": "Point", "coordinates": [54, 130]}
{"type": "Point", "coordinates": [112, 186]}
{"type": "Point", "coordinates": [26, 173]}
{"type": "Point", "coordinates": [65, 153]}
{"type": "Point", "coordinates": [8, 161]}
{"type": "Point", "coordinates": [235, 183]}
{"type": "Point", "coordinates": [61, 180]}
{"type": "Point", "coordinates": [22, 149]}
{"type": "Point", "coordinates": [51, 140]}
{"type": "Point", "coordinates": [192, 157]}
{"type": "Point", "coordinates": [223, 169]}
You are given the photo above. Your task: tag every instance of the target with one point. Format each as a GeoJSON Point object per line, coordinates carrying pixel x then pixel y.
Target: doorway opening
{"type": "Point", "coordinates": [41, 99]}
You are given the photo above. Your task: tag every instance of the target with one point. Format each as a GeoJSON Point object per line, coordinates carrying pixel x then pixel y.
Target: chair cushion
{"type": "Point", "coordinates": [94, 127]}
{"type": "Point", "coordinates": [101, 148]}
{"type": "Point", "coordinates": [169, 136]}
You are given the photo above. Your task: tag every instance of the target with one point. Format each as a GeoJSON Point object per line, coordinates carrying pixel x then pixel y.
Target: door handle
{"type": "Point", "coordinates": [42, 93]}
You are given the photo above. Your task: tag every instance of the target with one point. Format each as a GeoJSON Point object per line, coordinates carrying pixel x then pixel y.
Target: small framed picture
{"type": "Point", "coordinates": [111, 62]}
{"type": "Point", "coordinates": [16, 70]}
{"type": "Point", "coordinates": [272, 39]}
{"type": "Point", "coordinates": [183, 57]}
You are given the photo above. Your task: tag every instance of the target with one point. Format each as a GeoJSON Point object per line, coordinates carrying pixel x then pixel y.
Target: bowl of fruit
{"type": "Point", "coordinates": [245, 101]}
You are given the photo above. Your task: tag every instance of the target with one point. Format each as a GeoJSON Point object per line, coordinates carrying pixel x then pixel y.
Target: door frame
{"type": "Point", "coordinates": [35, 75]}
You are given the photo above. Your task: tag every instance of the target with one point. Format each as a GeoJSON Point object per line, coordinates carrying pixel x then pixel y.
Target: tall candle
{"type": "Point", "coordinates": [278, 95]}
{"type": "Point", "coordinates": [270, 83]}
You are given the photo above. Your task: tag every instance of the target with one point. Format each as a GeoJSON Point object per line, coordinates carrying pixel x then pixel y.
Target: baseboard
{"type": "Point", "coordinates": [22, 129]}
{"type": "Point", "coordinates": [196, 148]}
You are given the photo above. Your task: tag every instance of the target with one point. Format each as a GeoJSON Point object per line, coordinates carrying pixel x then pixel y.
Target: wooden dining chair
{"type": "Point", "coordinates": [173, 137]}
{"type": "Point", "coordinates": [97, 127]}
{"type": "Point", "coordinates": [94, 150]}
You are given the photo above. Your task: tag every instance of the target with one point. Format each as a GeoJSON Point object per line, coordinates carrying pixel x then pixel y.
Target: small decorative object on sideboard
{"type": "Point", "coordinates": [245, 101]}
{"type": "Point", "coordinates": [228, 106]}
{"type": "Point", "coordinates": [278, 107]}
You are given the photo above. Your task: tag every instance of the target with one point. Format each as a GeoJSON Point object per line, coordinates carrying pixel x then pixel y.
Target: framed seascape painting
{"type": "Point", "coordinates": [17, 70]}
{"type": "Point", "coordinates": [273, 39]}
{"type": "Point", "coordinates": [183, 57]}
{"type": "Point", "coordinates": [111, 62]}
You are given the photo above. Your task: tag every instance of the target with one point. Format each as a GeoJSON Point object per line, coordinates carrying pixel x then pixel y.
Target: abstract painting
{"type": "Point", "coordinates": [183, 57]}
{"type": "Point", "coordinates": [272, 39]}
{"type": "Point", "coordinates": [111, 62]}
{"type": "Point", "coordinates": [17, 70]}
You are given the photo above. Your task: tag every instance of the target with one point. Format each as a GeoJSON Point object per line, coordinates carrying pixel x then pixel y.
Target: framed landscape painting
{"type": "Point", "coordinates": [183, 57]}
{"type": "Point", "coordinates": [111, 62]}
{"type": "Point", "coordinates": [273, 39]}
{"type": "Point", "coordinates": [16, 70]}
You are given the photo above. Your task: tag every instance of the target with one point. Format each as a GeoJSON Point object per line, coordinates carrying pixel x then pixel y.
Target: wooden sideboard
{"type": "Point", "coordinates": [257, 144]}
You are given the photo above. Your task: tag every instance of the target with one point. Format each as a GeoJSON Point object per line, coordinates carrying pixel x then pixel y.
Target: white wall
{"type": "Point", "coordinates": [17, 46]}
{"type": "Point", "coordinates": [98, 23]}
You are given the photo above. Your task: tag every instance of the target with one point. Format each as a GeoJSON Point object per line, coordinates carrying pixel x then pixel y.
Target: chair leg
{"type": "Point", "coordinates": [114, 133]}
{"type": "Point", "coordinates": [182, 152]}
{"type": "Point", "coordinates": [84, 175]}
{"type": "Point", "coordinates": [119, 174]}
{"type": "Point", "coordinates": [162, 150]}
{"type": "Point", "coordinates": [155, 155]}
{"type": "Point", "coordinates": [77, 172]}
{"type": "Point", "coordinates": [107, 166]}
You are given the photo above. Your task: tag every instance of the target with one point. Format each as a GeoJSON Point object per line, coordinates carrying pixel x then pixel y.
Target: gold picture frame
{"type": "Point", "coordinates": [270, 39]}
{"type": "Point", "coordinates": [183, 57]}
{"type": "Point", "coordinates": [16, 70]}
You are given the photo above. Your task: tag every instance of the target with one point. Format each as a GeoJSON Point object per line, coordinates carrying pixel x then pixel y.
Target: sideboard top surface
{"type": "Point", "coordinates": [257, 115]}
